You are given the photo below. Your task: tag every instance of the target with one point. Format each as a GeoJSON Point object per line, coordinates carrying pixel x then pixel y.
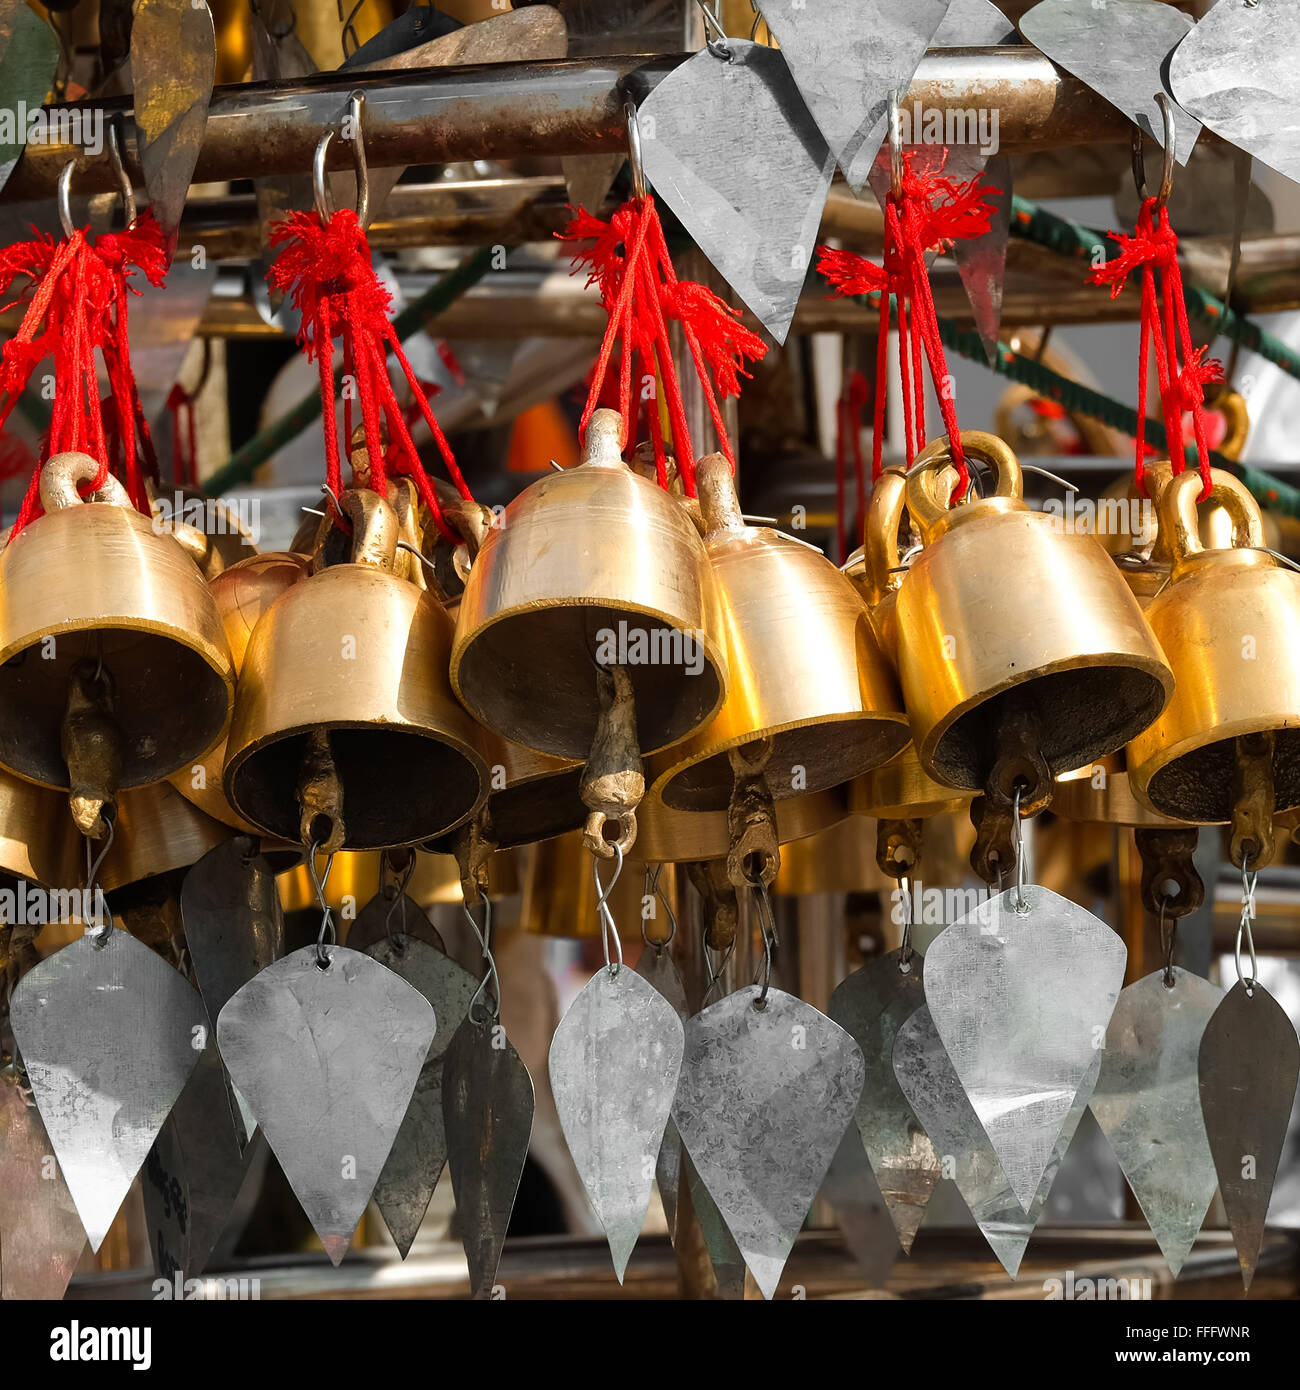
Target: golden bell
{"type": "Point", "coordinates": [157, 832]}
{"type": "Point", "coordinates": [186, 514]}
{"type": "Point", "coordinates": [1003, 599]}
{"type": "Point", "coordinates": [1230, 622]}
{"type": "Point", "coordinates": [345, 732]}
{"type": "Point", "coordinates": [590, 565]}
{"type": "Point", "coordinates": [37, 839]}
{"type": "Point", "coordinates": [806, 669]}
{"type": "Point", "coordinates": [94, 581]}
{"type": "Point", "coordinates": [1102, 793]}
{"type": "Point", "coordinates": [242, 594]}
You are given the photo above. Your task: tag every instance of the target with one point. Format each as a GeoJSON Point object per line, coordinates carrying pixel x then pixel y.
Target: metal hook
{"type": "Point", "coordinates": [1244, 926]}
{"type": "Point", "coordinates": [905, 944]}
{"type": "Point", "coordinates": [895, 147]}
{"type": "Point", "coordinates": [607, 924]}
{"type": "Point", "coordinates": [64, 187]}
{"type": "Point", "coordinates": [767, 926]}
{"type": "Point", "coordinates": [491, 1002]}
{"type": "Point", "coordinates": [1018, 848]}
{"type": "Point", "coordinates": [758, 19]}
{"type": "Point", "coordinates": [652, 872]}
{"type": "Point", "coordinates": [399, 883]}
{"type": "Point", "coordinates": [715, 976]}
{"type": "Point", "coordinates": [124, 183]}
{"type": "Point", "coordinates": [320, 183]}
{"type": "Point", "coordinates": [1170, 154]}
{"type": "Point", "coordinates": [717, 45]}
{"type": "Point", "coordinates": [93, 867]}
{"type": "Point", "coordinates": [318, 882]}
{"type": "Point", "coordinates": [633, 159]}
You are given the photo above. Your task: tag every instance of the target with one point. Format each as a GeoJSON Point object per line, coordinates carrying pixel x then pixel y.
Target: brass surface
{"type": "Point", "coordinates": [902, 790]}
{"type": "Point", "coordinates": [94, 580]}
{"type": "Point", "coordinates": [355, 878]}
{"type": "Point", "coordinates": [1229, 621]}
{"type": "Point", "coordinates": [560, 892]}
{"type": "Point", "coordinates": [1002, 599]}
{"type": "Point", "coordinates": [37, 837]}
{"type": "Point", "coordinates": [242, 594]}
{"type": "Point", "coordinates": [806, 668]}
{"type": "Point", "coordinates": [578, 553]}
{"type": "Point", "coordinates": [840, 859]}
{"type": "Point", "coordinates": [1101, 793]}
{"type": "Point", "coordinates": [157, 831]}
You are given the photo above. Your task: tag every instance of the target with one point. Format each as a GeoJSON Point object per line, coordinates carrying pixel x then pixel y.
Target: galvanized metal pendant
{"type": "Point", "coordinates": [930, 1083]}
{"type": "Point", "coordinates": [41, 1238]}
{"type": "Point", "coordinates": [1248, 1069]}
{"type": "Point", "coordinates": [29, 56]}
{"type": "Point", "coordinates": [614, 1062]}
{"type": "Point", "coordinates": [848, 57]}
{"type": "Point", "coordinates": [728, 144]}
{"type": "Point", "coordinates": [870, 1006]}
{"type": "Point", "coordinates": [1148, 1105]}
{"type": "Point", "coordinates": [109, 1034]}
{"type": "Point", "coordinates": [725, 1257]}
{"type": "Point", "coordinates": [415, 1164]}
{"type": "Point", "coordinates": [487, 1105]}
{"type": "Point", "coordinates": [658, 967]}
{"type": "Point", "coordinates": [326, 1046]}
{"type": "Point", "coordinates": [193, 1173]}
{"type": "Point", "coordinates": [1236, 72]}
{"type": "Point", "coordinates": [1121, 50]}
{"type": "Point", "coordinates": [865, 1222]}
{"type": "Point", "coordinates": [394, 920]}
{"type": "Point", "coordinates": [768, 1086]}
{"type": "Point", "coordinates": [1021, 990]}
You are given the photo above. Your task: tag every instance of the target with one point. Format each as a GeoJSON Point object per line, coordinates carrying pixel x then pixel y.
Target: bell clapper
{"type": "Point", "coordinates": [613, 782]}
{"type": "Point", "coordinates": [93, 748]}
{"type": "Point", "coordinates": [754, 855]}
{"type": "Point", "coordinates": [1019, 785]}
{"type": "Point", "coordinates": [320, 795]}
{"type": "Point", "coordinates": [1252, 799]}
{"type": "Point", "coordinates": [473, 845]}
{"type": "Point", "coordinates": [721, 909]}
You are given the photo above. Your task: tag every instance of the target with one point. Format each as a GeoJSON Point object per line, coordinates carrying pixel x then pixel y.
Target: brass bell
{"type": "Point", "coordinates": [242, 594]}
{"type": "Point", "coordinates": [114, 669]}
{"type": "Point", "coordinates": [560, 895]}
{"type": "Point", "coordinates": [1102, 793]}
{"type": "Point", "coordinates": [666, 836]}
{"type": "Point", "coordinates": [37, 840]}
{"type": "Point", "coordinates": [1008, 620]}
{"type": "Point", "coordinates": [230, 542]}
{"type": "Point", "coordinates": [589, 626]}
{"type": "Point", "coordinates": [1229, 620]}
{"type": "Point", "coordinates": [809, 682]}
{"type": "Point", "coordinates": [345, 733]}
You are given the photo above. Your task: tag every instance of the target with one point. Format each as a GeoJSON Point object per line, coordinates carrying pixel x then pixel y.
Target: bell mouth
{"type": "Point", "coordinates": [829, 750]}
{"type": "Point", "coordinates": [171, 701]}
{"type": "Point", "coordinates": [400, 786]}
{"type": "Point", "coordinates": [1196, 785]}
{"type": "Point", "coordinates": [529, 675]}
{"type": "Point", "coordinates": [1089, 711]}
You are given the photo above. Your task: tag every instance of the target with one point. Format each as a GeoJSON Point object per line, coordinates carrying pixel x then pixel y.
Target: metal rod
{"type": "Point", "coordinates": [571, 106]}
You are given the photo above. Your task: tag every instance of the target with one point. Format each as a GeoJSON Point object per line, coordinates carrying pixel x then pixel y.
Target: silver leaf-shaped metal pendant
{"type": "Point", "coordinates": [41, 1238]}
{"type": "Point", "coordinates": [109, 1034]}
{"type": "Point", "coordinates": [487, 1106]}
{"type": "Point", "coordinates": [419, 1152]}
{"type": "Point", "coordinates": [860, 1212]}
{"type": "Point", "coordinates": [1121, 50]}
{"type": "Point", "coordinates": [1148, 1104]}
{"type": "Point", "coordinates": [730, 146]}
{"type": "Point", "coordinates": [871, 1005]}
{"type": "Point", "coordinates": [27, 63]}
{"type": "Point", "coordinates": [327, 1059]}
{"type": "Point", "coordinates": [614, 1062]}
{"type": "Point", "coordinates": [724, 1254]}
{"type": "Point", "coordinates": [1021, 990]}
{"type": "Point", "coordinates": [926, 1075]}
{"type": "Point", "coordinates": [764, 1098]}
{"type": "Point", "coordinates": [1236, 72]}
{"type": "Point", "coordinates": [193, 1173]}
{"type": "Point", "coordinates": [173, 64]}
{"type": "Point", "coordinates": [849, 57]}
{"type": "Point", "coordinates": [658, 967]}
{"type": "Point", "coordinates": [1248, 1070]}
{"type": "Point", "coordinates": [974, 24]}
{"type": "Point", "coordinates": [982, 260]}
{"type": "Point", "coordinates": [393, 922]}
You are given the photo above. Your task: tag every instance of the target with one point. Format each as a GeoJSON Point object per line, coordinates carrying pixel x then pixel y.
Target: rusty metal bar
{"type": "Point", "coordinates": [504, 111]}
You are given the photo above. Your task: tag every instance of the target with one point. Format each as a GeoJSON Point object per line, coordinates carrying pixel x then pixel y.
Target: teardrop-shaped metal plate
{"type": "Point", "coordinates": [327, 1060]}
{"type": "Point", "coordinates": [658, 967]}
{"type": "Point", "coordinates": [393, 920]}
{"type": "Point", "coordinates": [1236, 72]}
{"type": "Point", "coordinates": [41, 1238]}
{"type": "Point", "coordinates": [724, 1254]}
{"type": "Point", "coordinates": [27, 65]}
{"type": "Point", "coordinates": [974, 24]}
{"type": "Point", "coordinates": [871, 1005]}
{"type": "Point", "coordinates": [1021, 1000]}
{"type": "Point", "coordinates": [849, 57]}
{"type": "Point", "coordinates": [860, 1212]}
{"type": "Point", "coordinates": [928, 1080]}
{"type": "Point", "coordinates": [109, 1034]}
{"type": "Point", "coordinates": [193, 1173]}
{"type": "Point", "coordinates": [419, 1152]}
{"type": "Point", "coordinates": [1148, 1104]}
{"type": "Point", "coordinates": [1121, 50]}
{"type": "Point", "coordinates": [730, 146]}
{"type": "Point", "coordinates": [764, 1098]}
{"type": "Point", "coordinates": [487, 1106]}
{"type": "Point", "coordinates": [614, 1062]}
{"type": "Point", "coordinates": [1248, 1069]}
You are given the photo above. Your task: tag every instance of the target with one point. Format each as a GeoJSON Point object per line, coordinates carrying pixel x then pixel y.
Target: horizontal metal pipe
{"type": "Point", "coordinates": [574, 106]}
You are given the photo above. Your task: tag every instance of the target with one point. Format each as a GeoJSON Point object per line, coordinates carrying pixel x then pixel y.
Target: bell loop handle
{"type": "Point", "coordinates": [95, 862]}
{"type": "Point", "coordinates": [885, 507]}
{"type": "Point", "coordinates": [376, 532]}
{"type": "Point", "coordinates": [1245, 927]}
{"type": "Point", "coordinates": [319, 177]}
{"type": "Point", "coordinates": [608, 928]}
{"type": "Point", "coordinates": [719, 504]}
{"type": "Point", "coordinates": [931, 480]}
{"type": "Point", "coordinates": [1178, 520]}
{"type": "Point", "coordinates": [491, 1001]}
{"type": "Point", "coordinates": [653, 888]}
{"type": "Point", "coordinates": [1170, 143]}
{"type": "Point", "coordinates": [60, 478]}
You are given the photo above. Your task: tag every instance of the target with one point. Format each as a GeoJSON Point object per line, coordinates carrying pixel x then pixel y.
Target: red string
{"type": "Point", "coordinates": [930, 213]}
{"type": "Point", "coordinates": [628, 259]}
{"type": "Point", "coordinates": [1153, 249]}
{"type": "Point", "coordinates": [326, 267]}
{"type": "Point", "coordinates": [848, 436]}
{"type": "Point", "coordinates": [185, 452]}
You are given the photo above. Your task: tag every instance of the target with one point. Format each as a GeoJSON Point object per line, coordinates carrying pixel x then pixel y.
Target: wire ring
{"type": "Point", "coordinates": [767, 925]}
{"type": "Point", "coordinates": [606, 917]}
{"type": "Point", "coordinates": [1170, 155]}
{"type": "Point", "coordinates": [128, 192]}
{"type": "Point", "coordinates": [319, 882]}
{"type": "Point", "coordinates": [1248, 885]}
{"type": "Point", "coordinates": [92, 874]}
{"type": "Point", "coordinates": [717, 45]}
{"type": "Point", "coordinates": [1018, 846]}
{"type": "Point", "coordinates": [652, 872]}
{"type": "Point", "coordinates": [319, 180]}
{"type": "Point", "coordinates": [491, 1002]}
